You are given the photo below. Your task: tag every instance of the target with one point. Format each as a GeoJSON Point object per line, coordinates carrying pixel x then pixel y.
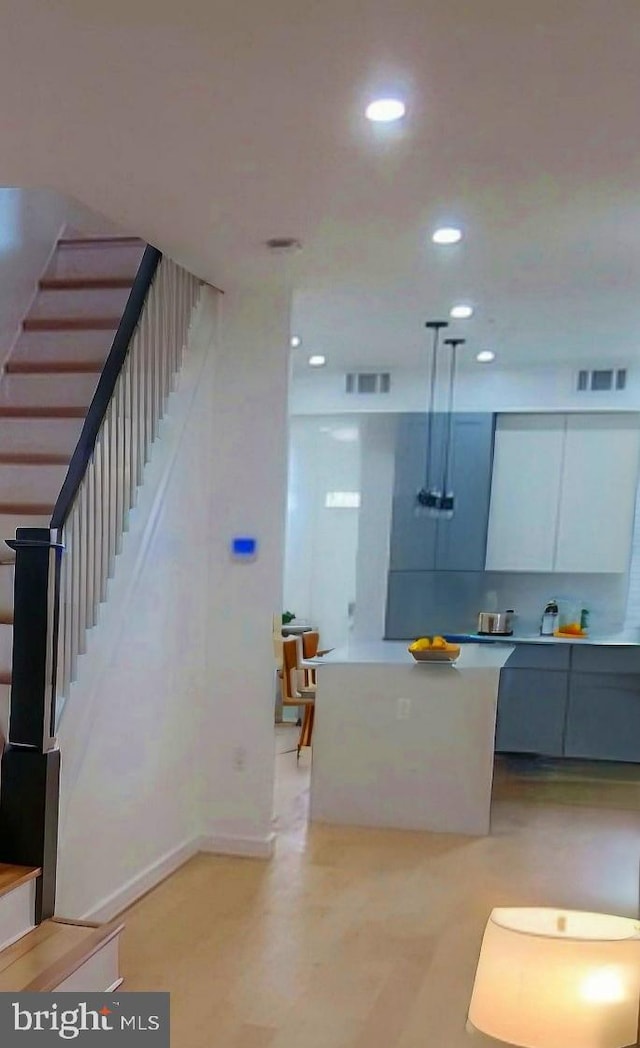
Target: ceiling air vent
{"type": "Point", "coordinates": [368, 382]}
{"type": "Point", "coordinates": [602, 380]}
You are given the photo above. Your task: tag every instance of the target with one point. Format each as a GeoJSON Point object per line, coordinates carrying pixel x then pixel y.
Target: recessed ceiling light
{"type": "Point", "coordinates": [447, 235]}
{"type": "Point", "coordinates": [485, 356]}
{"type": "Point", "coordinates": [461, 312]}
{"type": "Point", "coordinates": [295, 341]}
{"type": "Point", "coordinates": [385, 110]}
{"type": "Point", "coordinates": [317, 361]}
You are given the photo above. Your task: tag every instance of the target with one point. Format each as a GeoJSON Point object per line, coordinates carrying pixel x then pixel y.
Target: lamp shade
{"type": "Point", "coordinates": [558, 979]}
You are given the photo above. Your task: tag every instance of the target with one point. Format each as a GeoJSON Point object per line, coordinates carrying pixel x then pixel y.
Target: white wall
{"type": "Point", "coordinates": [374, 531]}
{"type": "Point", "coordinates": [632, 616]}
{"type": "Point", "coordinates": [167, 737]}
{"type": "Point", "coordinates": [30, 222]}
{"type": "Point", "coordinates": [247, 459]}
{"type": "Point", "coordinates": [321, 543]}
{"type": "Point", "coordinates": [487, 387]}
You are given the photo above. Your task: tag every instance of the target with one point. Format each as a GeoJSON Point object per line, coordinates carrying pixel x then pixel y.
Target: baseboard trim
{"type": "Point", "coordinates": [16, 938]}
{"type": "Point", "coordinates": [216, 844]}
{"type": "Point", "coordinates": [114, 904]}
{"type": "Point", "coordinates": [243, 847]}
{"type": "Point", "coordinates": [17, 913]}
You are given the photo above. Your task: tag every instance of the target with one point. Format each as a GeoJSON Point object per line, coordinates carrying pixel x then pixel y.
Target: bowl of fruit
{"type": "Point", "coordinates": [434, 649]}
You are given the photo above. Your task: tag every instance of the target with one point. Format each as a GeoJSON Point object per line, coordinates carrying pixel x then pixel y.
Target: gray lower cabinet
{"type": "Point", "coordinates": [603, 721]}
{"type": "Point", "coordinates": [571, 701]}
{"type": "Point", "coordinates": [532, 706]}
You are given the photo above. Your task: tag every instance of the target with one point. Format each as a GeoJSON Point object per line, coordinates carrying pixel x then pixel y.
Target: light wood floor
{"type": "Point", "coordinates": [360, 938]}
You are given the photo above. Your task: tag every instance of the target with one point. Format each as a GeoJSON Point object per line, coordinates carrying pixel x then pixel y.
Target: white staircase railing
{"type": "Point", "coordinates": [97, 519]}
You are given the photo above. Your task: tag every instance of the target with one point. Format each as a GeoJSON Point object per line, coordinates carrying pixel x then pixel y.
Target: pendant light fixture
{"type": "Point", "coordinates": [428, 498]}
{"type": "Point", "coordinates": [447, 501]}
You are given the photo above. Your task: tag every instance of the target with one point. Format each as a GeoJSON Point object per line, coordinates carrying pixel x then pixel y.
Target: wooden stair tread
{"type": "Point", "coordinates": [88, 283]}
{"type": "Point", "coordinates": [6, 618]}
{"type": "Point", "coordinates": [53, 367]}
{"type": "Point", "coordinates": [33, 458]}
{"type": "Point", "coordinates": [27, 509]}
{"type": "Point", "coordinates": [48, 955]}
{"type": "Point", "coordinates": [5, 677]}
{"type": "Point", "coordinates": [13, 876]}
{"type": "Point", "coordinates": [71, 323]}
{"type": "Point", "coordinates": [42, 411]}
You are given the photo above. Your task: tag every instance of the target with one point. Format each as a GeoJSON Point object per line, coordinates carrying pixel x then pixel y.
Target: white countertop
{"type": "Point", "coordinates": [625, 638]}
{"type": "Point", "coordinates": [390, 652]}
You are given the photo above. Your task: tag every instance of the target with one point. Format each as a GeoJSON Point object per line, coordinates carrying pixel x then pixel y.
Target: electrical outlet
{"type": "Point", "coordinates": [239, 758]}
{"type": "Point", "coordinates": [403, 709]}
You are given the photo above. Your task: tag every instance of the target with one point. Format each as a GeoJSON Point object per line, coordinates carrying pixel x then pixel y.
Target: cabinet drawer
{"type": "Point", "coordinates": [540, 657]}
{"type": "Point", "coordinates": [531, 711]}
{"type": "Point", "coordinates": [596, 659]}
{"type": "Point", "coordinates": [603, 719]}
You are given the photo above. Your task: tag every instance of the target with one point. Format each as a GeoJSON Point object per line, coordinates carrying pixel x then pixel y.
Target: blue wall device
{"type": "Point", "coordinates": [244, 548]}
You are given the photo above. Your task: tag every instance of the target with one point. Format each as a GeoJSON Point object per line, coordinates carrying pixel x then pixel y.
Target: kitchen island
{"type": "Point", "coordinates": [403, 744]}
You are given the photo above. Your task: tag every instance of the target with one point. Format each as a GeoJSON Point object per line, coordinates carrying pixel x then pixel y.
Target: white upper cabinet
{"type": "Point", "coordinates": [525, 490]}
{"type": "Point", "coordinates": [597, 501]}
{"type": "Point", "coordinates": [563, 493]}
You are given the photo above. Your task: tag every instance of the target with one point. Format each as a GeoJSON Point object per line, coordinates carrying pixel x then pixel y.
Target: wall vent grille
{"type": "Point", "coordinates": [367, 382]}
{"type": "Point", "coordinates": [601, 380]}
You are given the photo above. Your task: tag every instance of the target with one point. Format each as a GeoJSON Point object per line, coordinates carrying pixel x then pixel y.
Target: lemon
{"type": "Point", "coordinates": [422, 644]}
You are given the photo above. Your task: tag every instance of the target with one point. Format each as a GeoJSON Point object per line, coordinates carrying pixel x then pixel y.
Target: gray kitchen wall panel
{"type": "Point", "coordinates": [426, 602]}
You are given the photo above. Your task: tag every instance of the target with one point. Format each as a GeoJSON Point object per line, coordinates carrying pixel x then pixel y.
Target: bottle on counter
{"type": "Point", "coordinates": [584, 619]}
{"type": "Point", "coordinates": [550, 617]}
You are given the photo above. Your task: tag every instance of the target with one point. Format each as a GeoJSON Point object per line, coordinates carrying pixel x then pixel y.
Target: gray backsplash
{"type": "Point", "coordinates": [449, 601]}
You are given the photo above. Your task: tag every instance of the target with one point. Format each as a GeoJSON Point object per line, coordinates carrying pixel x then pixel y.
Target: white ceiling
{"type": "Point", "coordinates": [208, 127]}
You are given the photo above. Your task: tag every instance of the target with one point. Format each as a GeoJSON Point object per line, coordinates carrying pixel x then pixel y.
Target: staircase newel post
{"type": "Point", "coordinates": [31, 761]}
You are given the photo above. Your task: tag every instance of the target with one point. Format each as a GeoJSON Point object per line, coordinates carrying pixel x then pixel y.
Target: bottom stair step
{"type": "Point", "coordinates": [17, 894]}
{"type": "Point", "coordinates": [63, 955]}
{"type": "Point", "coordinates": [12, 877]}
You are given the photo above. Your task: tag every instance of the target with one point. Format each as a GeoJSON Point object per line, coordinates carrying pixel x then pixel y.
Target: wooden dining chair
{"type": "Point", "coordinates": [310, 643]}
{"type": "Point", "coordinates": [311, 649]}
{"type": "Point", "coordinates": [296, 691]}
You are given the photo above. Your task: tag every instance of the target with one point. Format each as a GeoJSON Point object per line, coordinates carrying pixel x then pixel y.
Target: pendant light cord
{"type": "Point", "coordinates": [435, 326]}
{"type": "Point", "coordinates": [454, 343]}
